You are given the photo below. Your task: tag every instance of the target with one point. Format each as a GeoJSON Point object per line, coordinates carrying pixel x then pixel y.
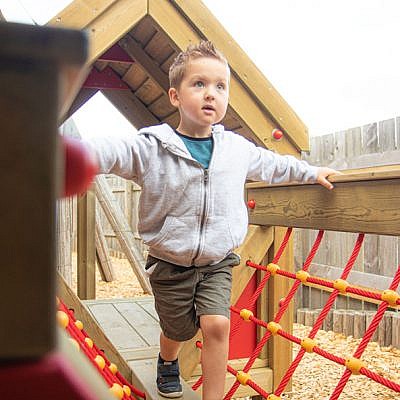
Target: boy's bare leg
{"type": "Point", "coordinates": [214, 355]}
{"type": "Point", "coordinates": [169, 348]}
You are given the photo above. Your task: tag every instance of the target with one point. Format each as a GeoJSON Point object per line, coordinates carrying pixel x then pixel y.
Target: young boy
{"type": "Point", "coordinates": [192, 213]}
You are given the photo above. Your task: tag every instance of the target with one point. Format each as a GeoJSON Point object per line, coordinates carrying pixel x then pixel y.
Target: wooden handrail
{"type": "Point", "coordinates": [365, 200]}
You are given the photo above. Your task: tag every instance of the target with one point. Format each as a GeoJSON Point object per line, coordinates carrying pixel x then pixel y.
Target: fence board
{"type": "Point", "coordinates": [353, 142]}
{"type": "Point", "coordinates": [387, 133]}
{"type": "Point", "coordinates": [370, 138]}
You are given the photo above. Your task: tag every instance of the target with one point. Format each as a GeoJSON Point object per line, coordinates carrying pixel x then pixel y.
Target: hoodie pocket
{"type": "Point", "coordinates": [177, 236]}
{"type": "Point", "coordinates": [218, 239]}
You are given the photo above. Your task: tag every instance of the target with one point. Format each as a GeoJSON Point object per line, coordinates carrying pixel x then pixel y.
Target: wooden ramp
{"type": "Point", "coordinates": [132, 327]}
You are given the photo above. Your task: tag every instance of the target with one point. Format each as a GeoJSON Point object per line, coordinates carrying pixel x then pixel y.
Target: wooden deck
{"type": "Point", "coordinates": [132, 327]}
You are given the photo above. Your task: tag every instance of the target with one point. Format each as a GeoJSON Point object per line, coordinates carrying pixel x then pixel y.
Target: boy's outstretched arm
{"type": "Point", "coordinates": [323, 173]}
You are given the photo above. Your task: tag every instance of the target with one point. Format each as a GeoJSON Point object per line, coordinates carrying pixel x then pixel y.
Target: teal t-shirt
{"type": "Point", "coordinates": [199, 148]}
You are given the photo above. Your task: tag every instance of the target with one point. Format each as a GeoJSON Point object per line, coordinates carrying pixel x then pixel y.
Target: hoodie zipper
{"type": "Point", "coordinates": [203, 213]}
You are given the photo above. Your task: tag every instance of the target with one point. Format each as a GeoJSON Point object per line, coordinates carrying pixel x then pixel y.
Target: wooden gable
{"type": "Point", "coordinates": [133, 43]}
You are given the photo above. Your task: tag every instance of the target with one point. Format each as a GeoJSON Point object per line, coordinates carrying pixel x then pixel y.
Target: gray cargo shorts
{"type": "Point", "coordinates": [183, 294]}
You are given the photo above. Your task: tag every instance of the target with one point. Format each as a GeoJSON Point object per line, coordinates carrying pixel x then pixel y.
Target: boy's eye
{"type": "Point", "coordinates": [199, 84]}
{"type": "Point", "coordinates": [220, 86]}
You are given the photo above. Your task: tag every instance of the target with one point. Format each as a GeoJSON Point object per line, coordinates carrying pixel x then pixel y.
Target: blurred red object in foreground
{"type": "Point", "coordinates": [80, 167]}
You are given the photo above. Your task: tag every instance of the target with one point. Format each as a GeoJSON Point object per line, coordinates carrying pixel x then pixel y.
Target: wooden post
{"type": "Point", "coordinates": [300, 315]}
{"type": "Point", "coordinates": [86, 246]}
{"type": "Point", "coordinates": [328, 322]}
{"type": "Point", "coordinates": [102, 254]}
{"type": "Point", "coordinates": [348, 322]}
{"type": "Point", "coordinates": [338, 321]}
{"type": "Point", "coordinates": [279, 349]}
{"type": "Point", "coordinates": [385, 329]}
{"type": "Point", "coordinates": [369, 316]}
{"type": "Point", "coordinates": [30, 62]}
{"type": "Point", "coordinates": [64, 238]}
{"type": "Point", "coordinates": [359, 324]}
{"type": "Point", "coordinates": [310, 317]}
{"type": "Point", "coordinates": [396, 330]}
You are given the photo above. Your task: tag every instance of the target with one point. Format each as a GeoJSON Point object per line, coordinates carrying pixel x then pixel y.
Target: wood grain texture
{"type": "Point", "coordinates": [369, 206]}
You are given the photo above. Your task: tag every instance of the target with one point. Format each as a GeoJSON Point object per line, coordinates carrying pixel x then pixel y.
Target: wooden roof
{"type": "Point", "coordinates": [133, 43]}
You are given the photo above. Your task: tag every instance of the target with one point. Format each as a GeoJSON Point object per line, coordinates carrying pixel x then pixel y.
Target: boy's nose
{"type": "Point", "coordinates": [209, 94]}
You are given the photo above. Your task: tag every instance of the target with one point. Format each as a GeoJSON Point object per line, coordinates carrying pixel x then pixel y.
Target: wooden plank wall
{"type": "Point", "coordinates": [127, 194]}
{"type": "Point", "coordinates": [370, 145]}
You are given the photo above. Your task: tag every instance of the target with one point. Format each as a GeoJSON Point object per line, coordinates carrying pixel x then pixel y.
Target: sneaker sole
{"type": "Point", "coordinates": [172, 395]}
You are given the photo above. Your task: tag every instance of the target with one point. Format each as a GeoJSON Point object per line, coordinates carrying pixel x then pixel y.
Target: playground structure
{"type": "Point", "coordinates": [32, 295]}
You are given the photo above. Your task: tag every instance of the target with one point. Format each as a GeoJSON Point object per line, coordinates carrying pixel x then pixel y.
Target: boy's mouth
{"type": "Point", "coordinates": [208, 107]}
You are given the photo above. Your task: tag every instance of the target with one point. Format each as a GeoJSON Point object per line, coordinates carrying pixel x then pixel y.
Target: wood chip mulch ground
{"type": "Point", "coordinates": [316, 377]}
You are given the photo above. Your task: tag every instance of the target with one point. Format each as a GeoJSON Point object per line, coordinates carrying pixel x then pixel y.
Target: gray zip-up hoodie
{"type": "Point", "coordinates": [189, 215]}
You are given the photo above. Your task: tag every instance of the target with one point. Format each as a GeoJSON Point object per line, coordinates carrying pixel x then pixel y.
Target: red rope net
{"type": "Point", "coordinates": [354, 364]}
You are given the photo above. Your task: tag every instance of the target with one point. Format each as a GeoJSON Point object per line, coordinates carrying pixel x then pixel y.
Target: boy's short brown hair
{"type": "Point", "coordinates": [203, 49]}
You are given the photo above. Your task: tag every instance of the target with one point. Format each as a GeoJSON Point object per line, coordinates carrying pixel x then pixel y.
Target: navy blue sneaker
{"type": "Point", "coordinates": [168, 383]}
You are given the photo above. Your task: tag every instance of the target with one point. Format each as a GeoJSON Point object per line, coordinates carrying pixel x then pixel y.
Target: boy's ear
{"type": "Point", "coordinates": [173, 97]}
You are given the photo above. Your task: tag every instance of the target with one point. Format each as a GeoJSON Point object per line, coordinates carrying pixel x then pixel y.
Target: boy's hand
{"type": "Point", "coordinates": [80, 166]}
{"type": "Point", "coordinates": [323, 173]}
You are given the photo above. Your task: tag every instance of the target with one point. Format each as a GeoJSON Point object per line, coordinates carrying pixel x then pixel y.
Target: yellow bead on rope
{"type": "Point", "coordinates": [272, 268]}
{"type": "Point", "coordinates": [354, 365]}
{"type": "Point", "coordinates": [246, 314]}
{"type": "Point", "coordinates": [341, 285]}
{"type": "Point", "coordinates": [242, 377]}
{"type": "Point", "coordinates": [391, 297]}
{"type": "Point", "coordinates": [308, 344]}
{"type": "Point", "coordinates": [273, 327]}
{"type": "Point", "coordinates": [273, 397]}
{"type": "Point", "coordinates": [62, 319]}
{"type": "Point", "coordinates": [302, 276]}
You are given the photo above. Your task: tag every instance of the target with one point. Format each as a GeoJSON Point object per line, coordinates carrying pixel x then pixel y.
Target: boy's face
{"type": "Point", "coordinates": [202, 97]}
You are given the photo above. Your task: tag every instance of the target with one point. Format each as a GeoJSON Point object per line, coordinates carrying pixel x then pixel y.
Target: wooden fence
{"type": "Point", "coordinates": [371, 145]}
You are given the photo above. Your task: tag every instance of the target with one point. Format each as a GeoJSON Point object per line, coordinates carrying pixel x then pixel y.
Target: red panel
{"type": "Point", "coordinates": [115, 53]}
{"type": "Point", "coordinates": [51, 377]}
{"type": "Point", "coordinates": [106, 79]}
{"type": "Point", "coordinates": [245, 340]}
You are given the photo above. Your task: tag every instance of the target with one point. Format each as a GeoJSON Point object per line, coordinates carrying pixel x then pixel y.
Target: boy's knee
{"type": "Point", "coordinates": [214, 327]}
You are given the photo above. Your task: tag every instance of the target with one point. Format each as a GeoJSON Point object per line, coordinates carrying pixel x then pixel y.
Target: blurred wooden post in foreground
{"type": "Point", "coordinates": [38, 68]}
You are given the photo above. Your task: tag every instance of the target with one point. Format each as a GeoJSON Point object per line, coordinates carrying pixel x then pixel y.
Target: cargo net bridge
{"type": "Point", "coordinates": [354, 364]}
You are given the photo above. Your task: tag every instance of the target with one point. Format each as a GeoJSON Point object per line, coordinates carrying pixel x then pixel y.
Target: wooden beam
{"type": "Point", "coordinates": [86, 209]}
{"type": "Point", "coordinates": [361, 202]}
{"type": "Point", "coordinates": [81, 98]}
{"type": "Point", "coordinates": [204, 22]}
{"type": "Point", "coordinates": [135, 51]}
{"type": "Point", "coordinates": [182, 33]}
{"type": "Point", "coordinates": [255, 246]}
{"type": "Point", "coordinates": [106, 21]}
{"type": "Point", "coordinates": [131, 107]}
{"type": "Point", "coordinates": [80, 13]}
